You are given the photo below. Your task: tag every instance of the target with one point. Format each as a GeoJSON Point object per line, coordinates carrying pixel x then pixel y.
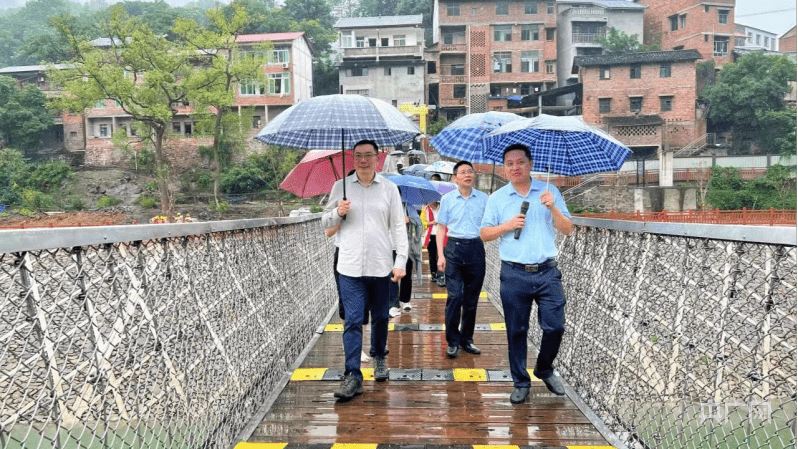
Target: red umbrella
{"type": "Point", "coordinates": [318, 170]}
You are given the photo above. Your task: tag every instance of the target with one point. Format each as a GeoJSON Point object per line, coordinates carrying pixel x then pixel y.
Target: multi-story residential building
{"type": "Point", "coordinates": [383, 57]}
{"type": "Point", "coordinates": [750, 38]}
{"type": "Point", "coordinates": [646, 100]}
{"type": "Point", "coordinates": [290, 79]}
{"type": "Point", "coordinates": [579, 22]}
{"type": "Point", "coordinates": [485, 52]}
{"type": "Point", "coordinates": [691, 24]}
{"type": "Point", "coordinates": [787, 42]}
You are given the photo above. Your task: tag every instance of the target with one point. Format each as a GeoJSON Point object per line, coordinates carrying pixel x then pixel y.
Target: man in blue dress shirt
{"type": "Point", "coordinates": [529, 270]}
{"type": "Point", "coordinates": [463, 258]}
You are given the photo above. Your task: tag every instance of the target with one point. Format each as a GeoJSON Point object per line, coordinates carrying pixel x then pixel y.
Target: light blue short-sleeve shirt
{"type": "Point", "coordinates": [536, 242]}
{"type": "Point", "coordinates": [462, 215]}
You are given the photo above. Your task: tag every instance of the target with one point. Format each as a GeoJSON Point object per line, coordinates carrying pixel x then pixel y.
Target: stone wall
{"type": "Point", "coordinates": [632, 199]}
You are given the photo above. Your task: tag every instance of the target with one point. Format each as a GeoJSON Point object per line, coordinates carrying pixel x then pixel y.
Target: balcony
{"type": "Point", "coordinates": [452, 102]}
{"type": "Point", "coordinates": [401, 50]}
{"type": "Point", "coordinates": [453, 48]}
{"type": "Point", "coordinates": [453, 73]}
{"type": "Point", "coordinates": [585, 38]}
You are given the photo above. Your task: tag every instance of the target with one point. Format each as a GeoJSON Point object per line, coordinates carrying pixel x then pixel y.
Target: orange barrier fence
{"type": "Point", "coordinates": [630, 178]}
{"type": "Point", "coordinates": [768, 217]}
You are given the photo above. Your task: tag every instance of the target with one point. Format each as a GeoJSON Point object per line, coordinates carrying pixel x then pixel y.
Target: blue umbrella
{"type": "Point", "coordinates": [415, 190]}
{"type": "Point", "coordinates": [563, 145]}
{"type": "Point", "coordinates": [462, 139]}
{"type": "Point", "coordinates": [338, 121]}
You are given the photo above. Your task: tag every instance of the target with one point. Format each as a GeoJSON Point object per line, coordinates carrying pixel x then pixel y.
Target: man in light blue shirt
{"type": "Point", "coordinates": [529, 269]}
{"type": "Point", "coordinates": [463, 258]}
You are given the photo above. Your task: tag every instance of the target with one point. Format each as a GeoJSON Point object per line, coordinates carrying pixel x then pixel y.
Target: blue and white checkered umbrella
{"type": "Point", "coordinates": [563, 145]}
{"type": "Point", "coordinates": [462, 139]}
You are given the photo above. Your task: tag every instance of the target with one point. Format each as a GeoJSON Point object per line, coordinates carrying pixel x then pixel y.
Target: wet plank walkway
{"type": "Point", "coordinates": [429, 400]}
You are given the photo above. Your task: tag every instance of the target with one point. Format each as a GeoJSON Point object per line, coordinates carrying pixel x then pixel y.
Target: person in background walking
{"type": "Point", "coordinates": [428, 215]}
{"type": "Point", "coordinates": [463, 258]}
{"type": "Point", "coordinates": [529, 269]}
{"type": "Point", "coordinates": [401, 292]}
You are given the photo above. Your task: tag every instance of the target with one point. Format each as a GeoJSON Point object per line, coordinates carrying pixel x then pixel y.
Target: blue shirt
{"type": "Point", "coordinates": [462, 215]}
{"type": "Point", "coordinates": [536, 242]}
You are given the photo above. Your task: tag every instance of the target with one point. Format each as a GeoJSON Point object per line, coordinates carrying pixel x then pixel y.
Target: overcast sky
{"type": "Point", "coordinates": [776, 16]}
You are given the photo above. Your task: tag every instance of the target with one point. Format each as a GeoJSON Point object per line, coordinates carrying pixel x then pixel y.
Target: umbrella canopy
{"type": "Point", "coordinates": [462, 139]}
{"type": "Point", "coordinates": [415, 190]}
{"type": "Point", "coordinates": [316, 173]}
{"type": "Point", "coordinates": [563, 145]}
{"type": "Point", "coordinates": [445, 167]}
{"type": "Point", "coordinates": [444, 187]}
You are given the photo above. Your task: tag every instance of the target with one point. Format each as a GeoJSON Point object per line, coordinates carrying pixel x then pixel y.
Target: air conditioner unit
{"type": "Point", "coordinates": [285, 65]}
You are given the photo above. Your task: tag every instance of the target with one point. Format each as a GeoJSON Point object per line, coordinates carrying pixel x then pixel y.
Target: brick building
{"type": "Point", "coordinates": [88, 137]}
{"type": "Point", "coordinates": [787, 42]}
{"type": "Point", "coordinates": [645, 100]}
{"type": "Point", "coordinates": [485, 52]}
{"type": "Point", "coordinates": [691, 24]}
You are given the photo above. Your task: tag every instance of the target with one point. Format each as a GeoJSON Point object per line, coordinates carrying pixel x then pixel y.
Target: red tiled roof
{"type": "Point", "coordinates": [269, 37]}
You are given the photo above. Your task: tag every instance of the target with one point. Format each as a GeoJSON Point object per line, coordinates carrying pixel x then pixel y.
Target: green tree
{"type": "Point", "coordinates": [214, 87]}
{"type": "Point", "coordinates": [749, 94]}
{"type": "Point", "coordinates": [310, 10]}
{"type": "Point", "coordinates": [143, 72]}
{"type": "Point", "coordinates": [23, 115]}
{"type": "Point", "coordinates": [325, 76]}
{"type": "Point", "coordinates": [617, 41]}
{"type": "Point", "coordinates": [14, 172]}
{"type": "Point", "coordinates": [729, 191]}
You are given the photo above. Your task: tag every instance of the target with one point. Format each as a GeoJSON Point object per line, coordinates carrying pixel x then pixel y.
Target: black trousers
{"type": "Point", "coordinates": [432, 250]}
{"type": "Point", "coordinates": [465, 273]}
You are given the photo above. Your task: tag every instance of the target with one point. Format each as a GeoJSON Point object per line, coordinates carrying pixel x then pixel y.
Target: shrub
{"type": "Point", "coordinates": [76, 203]}
{"type": "Point", "coordinates": [107, 201]}
{"type": "Point", "coordinates": [36, 200]}
{"type": "Point", "coordinates": [316, 208]}
{"type": "Point", "coordinates": [14, 172]}
{"type": "Point", "coordinates": [147, 202]}
{"type": "Point", "coordinates": [246, 179]}
{"type": "Point", "coordinates": [49, 176]}
{"type": "Point", "coordinates": [222, 207]}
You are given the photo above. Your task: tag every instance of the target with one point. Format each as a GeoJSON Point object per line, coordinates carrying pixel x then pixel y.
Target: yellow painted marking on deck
{"type": "Point", "coordinates": [446, 295]}
{"type": "Point", "coordinates": [469, 375]}
{"type": "Point", "coordinates": [498, 327]}
{"type": "Point", "coordinates": [261, 445]}
{"type": "Point", "coordinates": [391, 326]}
{"type": "Point", "coordinates": [308, 374]}
{"type": "Point", "coordinates": [353, 446]}
{"type": "Point", "coordinates": [532, 376]}
{"type": "Point", "coordinates": [334, 328]}
{"type": "Point", "coordinates": [368, 373]}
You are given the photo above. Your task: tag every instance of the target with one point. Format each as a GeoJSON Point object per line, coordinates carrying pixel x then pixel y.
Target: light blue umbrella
{"type": "Point", "coordinates": [462, 139]}
{"type": "Point", "coordinates": [338, 121]}
{"type": "Point", "coordinates": [415, 189]}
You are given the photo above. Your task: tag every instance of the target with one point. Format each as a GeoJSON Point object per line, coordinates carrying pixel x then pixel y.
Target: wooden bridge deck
{"type": "Point", "coordinates": [472, 409]}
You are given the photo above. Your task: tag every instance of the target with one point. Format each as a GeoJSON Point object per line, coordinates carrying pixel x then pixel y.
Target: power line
{"type": "Point", "coordinates": [766, 12]}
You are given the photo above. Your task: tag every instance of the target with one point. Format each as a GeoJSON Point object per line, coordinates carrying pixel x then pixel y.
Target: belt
{"type": "Point", "coordinates": [458, 239]}
{"type": "Point", "coordinates": [534, 267]}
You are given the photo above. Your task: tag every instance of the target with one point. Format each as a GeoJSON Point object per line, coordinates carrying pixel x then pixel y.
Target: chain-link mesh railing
{"type": "Point", "coordinates": [166, 336]}
{"type": "Point", "coordinates": [679, 336]}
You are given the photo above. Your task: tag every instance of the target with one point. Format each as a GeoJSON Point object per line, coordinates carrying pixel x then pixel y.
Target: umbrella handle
{"type": "Point", "coordinates": [343, 168]}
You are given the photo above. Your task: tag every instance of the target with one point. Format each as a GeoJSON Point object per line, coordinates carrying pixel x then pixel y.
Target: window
{"type": "Point", "coordinates": [666, 103]}
{"type": "Point", "coordinates": [502, 8]}
{"type": "Point", "coordinates": [550, 66]}
{"type": "Point", "coordinates": [459, 91]}
{"type": "Point", "coordinates": [384, 42]}
{"type": "Point", "coordinates": [495, 91]}
{"type": "Point", "coordinates": [73, 134]}
{"type": "Point", "coordinates": [604, 104]}
{"type": "Point", "coordinates": [473, 11]}
{"type": "Point", "coordinates": [250, 87]}
{"type": "Point", "coordinates": [411, 70]}
{"type": "Point", "coordinates": [453, 114]}
{"type": "Point", "coordinates": [502, 62]}
{"type": "Point", "coordinates": [176, 128]}
{"type": "Point", "coordinates": [604, 72]}
{"type": "Point", "coordinates": [550, 7]}
{"type": "Point", "coordinates": [530, 61]}
{"type": "Point", "coordinates": [526, 89]}
{"type": "Point", "coordinates": [635, 104]}
{"type": "Point", "coordinates": [372, 42]}
{"type": "Point", "coordinates": [280, 83]}
{"type": "Point", "coordinates": [347, 40]}
{"type": "Point", "coordinates": [103, 130]}
{"type": "Point", "coordinates": [360, 41]}
{"type": "Point", "coordinates": [550, 34]}
{"type": "Point", "coordinates": [634, 71]}
{"type": "Point", "coordinates": [721, 46]}
{"type": "Point", "coordinates": [431, 68]}
{"type": "Point", "coordinates": [363, 92]}
{"type": "Point", "coordinates": [674, 21]}
{"type": "Point", "coordinates": [458, 69]}
{"type": "Point", "coordinates": [117, 104]}
{"type": "Point", "coordinates": [758, 39]}
{"type": "Point", "coordinates": [665, 70]}
{"type": "Point", "coordinates": [502, 33]}
{"type": "Point", "coordinates": [399, 40]}
{"type": "Point", "coordinates": [452, 9]}
{"type": "Point", "coordinates": [358, 71]}
{"type": "Point", "coordinates": [723, 16]}
{"type": "Point", "coordinates": [394, 103]}
{"type": "Point", "coordinates": [750, 37]}
{"type": "Point", "coordinates": [530, 32]}
{"type": "Point", "coordinates": [765, 41]}
{"type": "Point", "coordinates": [187, 127]}
{"type": "Point", "coordinates": [256, 121]}
{"type": "Point", "coordinates": [99, 104]}
{"type": "Point", "coordinates": [386, 71]}
{"type": "Point", "coordinates": [283, 56]}
{"type": "Point", "coordinates": [530, 7]}
{"type": "Point", "coordinates": [683, 20]}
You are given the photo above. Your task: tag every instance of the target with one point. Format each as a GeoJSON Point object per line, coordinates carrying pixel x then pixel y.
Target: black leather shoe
{"type": "Point", "coordinates": [452, 351]}
{"type": "Point", "coordinates": [519, 395]}
{"type": "Point", "coordinates": [351, 387]}
{"type": "Point", "coordinates": [554, 385]}
{"type": "Point", "coordinates": [380, 369]}
{"type": "Point", "coordinates": [470, 348]}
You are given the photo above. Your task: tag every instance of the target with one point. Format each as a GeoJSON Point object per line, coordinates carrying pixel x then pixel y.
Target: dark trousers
{"type": "Point", "coordinates": [518, 290]}
{"type": "Point", "coordinates": [432, 251]}
{"type": "Point", "coordinates": [358, 295]}
{"type": "Point", "coordinates": [465, 272]}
